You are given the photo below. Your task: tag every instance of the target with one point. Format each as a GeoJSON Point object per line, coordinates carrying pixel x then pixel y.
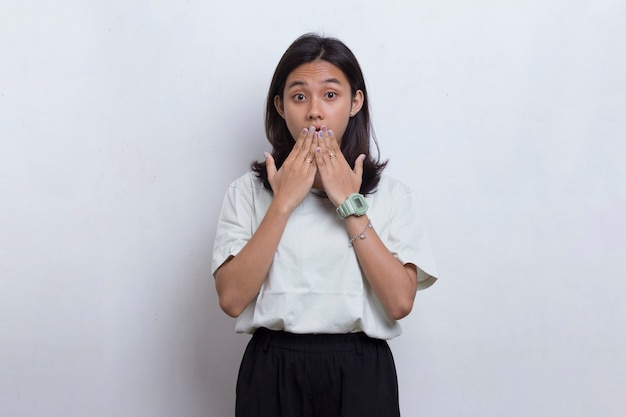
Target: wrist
{"type": "Point", "coordinates": [363, 234]}
{"type": "Point", "coordinates": [354, 205]}
{"type": "Point", "coordinates": [281, 207]}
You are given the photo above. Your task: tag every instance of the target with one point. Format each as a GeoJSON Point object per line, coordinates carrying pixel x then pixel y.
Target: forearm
{"type": "Point", "coordinates": [240, 278]}
{"type": "Point", "coordinates": [394, 284]}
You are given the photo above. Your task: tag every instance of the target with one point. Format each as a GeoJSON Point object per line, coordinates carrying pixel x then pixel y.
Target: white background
{"type": "Point", "coordinates": [123, 121]}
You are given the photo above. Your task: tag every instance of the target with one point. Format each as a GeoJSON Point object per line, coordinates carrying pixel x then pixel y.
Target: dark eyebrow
{"type": "Point", "coordinates": [295, 84]}
{"type": "Point", "coordinates": [298, 83]}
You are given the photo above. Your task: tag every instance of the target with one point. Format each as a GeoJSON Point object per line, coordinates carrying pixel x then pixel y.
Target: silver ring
{"type": "Point", "coordinates": [332, 155]}
{"type": "Point", "coordinates": [308, 160]}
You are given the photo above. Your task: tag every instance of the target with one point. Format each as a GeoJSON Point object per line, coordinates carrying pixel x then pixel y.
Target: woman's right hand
{"type": "Point", "coordinates": [291, 183]}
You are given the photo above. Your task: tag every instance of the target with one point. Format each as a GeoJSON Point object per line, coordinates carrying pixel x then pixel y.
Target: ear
{"type": "Point", "coordinates": [357, 103]}
{"type": "Point", "coordinates": [278, 104]}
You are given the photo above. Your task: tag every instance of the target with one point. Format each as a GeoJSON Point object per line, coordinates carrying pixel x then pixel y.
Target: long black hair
{"type": "Point", "coordinates": [359, 133]}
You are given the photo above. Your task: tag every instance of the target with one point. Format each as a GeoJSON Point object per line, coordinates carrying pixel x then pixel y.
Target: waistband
{"type": "Point", "coordinates": [312, 342]}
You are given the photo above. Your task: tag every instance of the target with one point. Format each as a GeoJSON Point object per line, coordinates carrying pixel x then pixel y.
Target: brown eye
{"type": "Point", "coordinates": [299, 97]}
{"type": "Point", "coordinates": [331, 94]}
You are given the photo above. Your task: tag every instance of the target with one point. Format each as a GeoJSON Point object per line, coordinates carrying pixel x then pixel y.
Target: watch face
{"type": "Point", "coordinates": [358, 203]}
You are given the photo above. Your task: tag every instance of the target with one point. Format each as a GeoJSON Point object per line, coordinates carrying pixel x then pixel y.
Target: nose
{"type": "Point", "coordinates": [315, 111]}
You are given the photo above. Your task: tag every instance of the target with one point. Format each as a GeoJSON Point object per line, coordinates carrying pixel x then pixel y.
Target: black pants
{"type": "Point", "coordinates": [289, 375]}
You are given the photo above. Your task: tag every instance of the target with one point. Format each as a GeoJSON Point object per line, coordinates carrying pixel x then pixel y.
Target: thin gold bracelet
{"type": "Point", "coordinates": [362, 234]}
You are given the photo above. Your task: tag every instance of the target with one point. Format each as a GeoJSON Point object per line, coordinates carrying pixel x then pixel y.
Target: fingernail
{"type": "Point", "coordinates": [362, 157]}
{"type": "Point", "coordinates": [318, 150]}
{"type": "Point", "coordinates": [304, 131]}
{"type": "Point", "coordinates": [331, 133]}
{"type": "Point", "coordinates": [324, 128]}
{"type": "Point", "coordinates": [266, 155]}
{"type": "Point", "coordinates": [312, 129]}
{"type": "Point", "coordinates": [321, 133]}
{"type": "Point", "coordinates": [315, 135]}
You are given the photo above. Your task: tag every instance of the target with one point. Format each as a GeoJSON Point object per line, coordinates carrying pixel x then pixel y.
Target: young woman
{"type": "Point", "coordinates": [316, 252]}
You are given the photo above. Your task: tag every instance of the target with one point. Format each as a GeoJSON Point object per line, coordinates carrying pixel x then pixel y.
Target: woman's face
{"type": "Point", "coordinates": [318, 94]}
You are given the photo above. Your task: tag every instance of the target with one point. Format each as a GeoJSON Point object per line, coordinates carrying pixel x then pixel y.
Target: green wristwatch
{"type": "Point", "coordinates": [355, 205]}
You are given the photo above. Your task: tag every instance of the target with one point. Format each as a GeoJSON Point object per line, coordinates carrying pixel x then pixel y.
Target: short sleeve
{"type": "Point", "coordinates": [408, 238]}
{"type": "Point", "coordinates": [234, 226]}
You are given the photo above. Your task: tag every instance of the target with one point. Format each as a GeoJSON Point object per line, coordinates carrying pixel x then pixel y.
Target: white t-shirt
{"type": "Point", "coordinates": [315, 284]}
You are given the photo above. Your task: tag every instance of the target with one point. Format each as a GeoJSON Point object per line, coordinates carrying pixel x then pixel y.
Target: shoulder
{"type": "Point", "coordinates": [247, 190]}
{"type": "Point", "coordinates": [390, 186]}
{"type": "Point", "coordinates": [247, 182]}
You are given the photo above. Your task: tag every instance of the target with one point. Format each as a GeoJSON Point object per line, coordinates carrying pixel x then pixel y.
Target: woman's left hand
{"type": "Point", "coordinates": [338, 179]}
